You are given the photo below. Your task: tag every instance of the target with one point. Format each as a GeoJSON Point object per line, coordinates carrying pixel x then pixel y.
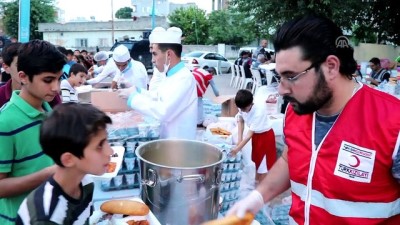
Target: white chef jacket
{"type": "Point", "coordinates": [109, 70]}
{"type": "Point", "coordinates": [156, 79]}
{"type": "Point", "coordinates": [136, 75]}
{"type": "Point", "coordinates": [175, 106]}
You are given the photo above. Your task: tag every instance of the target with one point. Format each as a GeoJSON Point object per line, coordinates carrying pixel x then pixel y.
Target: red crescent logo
{"type": "Point", "coordinates": [357, 163]}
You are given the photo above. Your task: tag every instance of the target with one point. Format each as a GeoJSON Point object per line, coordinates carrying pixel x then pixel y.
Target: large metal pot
{"type": "Point", "coordinates": [180, 180]}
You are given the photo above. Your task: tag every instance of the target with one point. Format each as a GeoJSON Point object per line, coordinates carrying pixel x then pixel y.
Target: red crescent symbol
{"type": "Point", "coordinates": [357, 163]}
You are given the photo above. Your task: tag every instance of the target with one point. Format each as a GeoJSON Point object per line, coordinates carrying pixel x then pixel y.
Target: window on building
{"type": "Point", "coordinates": [103, 42]}
{"type": "Point", "coordinates": [81, 42]}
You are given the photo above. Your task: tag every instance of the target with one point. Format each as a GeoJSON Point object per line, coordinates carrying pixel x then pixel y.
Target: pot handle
{"type": "Point", "coordinates": [198, 177]}
{"type": "Point", "coordinates": [153, 177]}
{"type": "Point", "coordinates": [218, 177]}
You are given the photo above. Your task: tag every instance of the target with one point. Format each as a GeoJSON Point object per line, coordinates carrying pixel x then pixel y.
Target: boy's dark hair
{"type": "Point", "coordinates": [76, 68]}
{"type": "Point", "coordinates": [243, 98]}
{"type": "Point", "coordinates": [37, 56]}
{"type": "Point", "coordinates": [69, 128]}
{"type": "Point", "coordinates": [70, 52]}
{"type": "Point", "coordinates": [318, 37]}
{"type": "Point", "coordinates": [212, 70]}
{"type": "Point", "coordinates": [9, 52]}
{"type": "Point", "coordinates": [62, 50]}
{"type": "Point", "coordinates": [176, 48]}
{"type": "Point", "coordinates": [375, 61]}
{"type": "Point", "coordinates": [84, 51]}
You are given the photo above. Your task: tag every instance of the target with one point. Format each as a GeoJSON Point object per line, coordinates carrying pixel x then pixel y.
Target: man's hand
{"type": "Point", "coordinates": [126, 92]}
{"type": "Point", "coordinates": [252, 203]}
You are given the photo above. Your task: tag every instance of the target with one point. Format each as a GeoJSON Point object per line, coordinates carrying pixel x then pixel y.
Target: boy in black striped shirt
{"type": "Point", "coordinates": [75, 137]}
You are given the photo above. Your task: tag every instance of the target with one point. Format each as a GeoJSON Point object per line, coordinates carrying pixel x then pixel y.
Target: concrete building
{"type": "Point", "coordinates": [88, 35]}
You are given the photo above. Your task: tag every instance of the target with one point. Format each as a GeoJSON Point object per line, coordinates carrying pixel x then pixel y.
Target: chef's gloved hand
{"type": "Point", "coordinates": [252, 203]}
{"type": "Point", "coordinates": [126, 92]}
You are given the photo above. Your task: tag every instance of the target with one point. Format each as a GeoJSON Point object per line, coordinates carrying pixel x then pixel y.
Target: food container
{"type": "Point", "coordinates": [180, 180]}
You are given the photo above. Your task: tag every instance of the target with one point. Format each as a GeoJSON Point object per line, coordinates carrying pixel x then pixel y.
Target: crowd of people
{"type": "Point", "coordinates": [340, 161]}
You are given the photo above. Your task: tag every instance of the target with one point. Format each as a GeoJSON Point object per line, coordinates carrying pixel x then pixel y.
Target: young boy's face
{"type": "Point", "coordinates": [96, 155]}
{"type": "Point", "coordinates": [12, 70]}
{"type": "Point", "coordinates": [44, 86]}
{"type": "Point", "coordinates": [78, 79]}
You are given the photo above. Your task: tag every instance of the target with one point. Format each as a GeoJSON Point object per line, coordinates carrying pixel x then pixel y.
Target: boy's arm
{"type": "Point", "coordinates": [242, 143]}
{"type": "Point", "coordinates": [13, 186]}
{"type": "Point", "coordinates": [214, 87]}
{"type": "Point", "coordinates": [240, 122]}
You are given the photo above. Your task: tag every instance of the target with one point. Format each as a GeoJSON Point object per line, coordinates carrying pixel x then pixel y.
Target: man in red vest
{"type": "Point", "coordinates": [342, 158]}
{"type": "Point", "coordinates": [203, 79]}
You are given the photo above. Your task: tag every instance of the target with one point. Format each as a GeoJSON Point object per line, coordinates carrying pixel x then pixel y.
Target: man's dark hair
{"type": "Point", "coordinates": [243, 98]}
{"type": "Point", "coordinates": [76, 68]}
{"type": "Point", "coordinates": [69, 128]}
{"type": "Point", "coordinates": [9, 52]}
{"type": "Point", "coordinates": [37, 56]}
{"type": "Point", "coordinates": [176, 48]}
{"type": "Point", "coordinates": [375, 61]}
{"type": "Point", "coordinates": [83, 51]}
{"type": "Point", "coordinates": [317, 37]}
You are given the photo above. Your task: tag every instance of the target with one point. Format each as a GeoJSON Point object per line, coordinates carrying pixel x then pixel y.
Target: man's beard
{"type": "Point", "coordinates": [321, 95]}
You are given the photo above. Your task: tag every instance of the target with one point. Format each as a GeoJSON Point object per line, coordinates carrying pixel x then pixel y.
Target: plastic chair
{"type": "Point", "coordinates": [245, 81]}
{"type": "Point", "coordinates": [257, 80]}
{"type": "Point", "coordinates": [238, 77]}
{"type": "Point", "coordinates": [233, 75]}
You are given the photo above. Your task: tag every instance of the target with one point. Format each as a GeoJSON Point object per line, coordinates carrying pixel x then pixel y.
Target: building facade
{"type": "Point", "coordinates": [89, 35]}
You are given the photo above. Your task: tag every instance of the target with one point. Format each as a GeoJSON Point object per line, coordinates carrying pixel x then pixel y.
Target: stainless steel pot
{"type": "Point", "coordinates": [180, 180]}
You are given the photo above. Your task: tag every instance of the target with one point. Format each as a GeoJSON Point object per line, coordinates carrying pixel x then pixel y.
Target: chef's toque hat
{"type": "Point", "coordinates": [170, 36]}
{"type": "Point", "coordinates": [121, 54]}
{"type": "Point", "coordinates": [100, 56]}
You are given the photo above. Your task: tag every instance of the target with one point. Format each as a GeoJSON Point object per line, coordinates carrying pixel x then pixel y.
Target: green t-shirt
{"type": "Point", "coordinates": [21, 153]}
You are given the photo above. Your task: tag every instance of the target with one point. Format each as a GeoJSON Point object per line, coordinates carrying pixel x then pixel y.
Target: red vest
{"type": "Point", "coordinates": [202, 80]}
{"type": "Point", "coordinates": [348, 178]}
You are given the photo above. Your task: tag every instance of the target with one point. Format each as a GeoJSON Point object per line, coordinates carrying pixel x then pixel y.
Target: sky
{"type": "Point", "coordinates": [101, 9]}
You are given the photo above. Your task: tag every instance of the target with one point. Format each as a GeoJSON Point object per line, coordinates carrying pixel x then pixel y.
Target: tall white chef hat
{"type": "Point", "coordinates": [170, 36]}
{"type": "Point", "coordinates": [100, 56]}
{"type": "Point", "coordinates": [121, 54]}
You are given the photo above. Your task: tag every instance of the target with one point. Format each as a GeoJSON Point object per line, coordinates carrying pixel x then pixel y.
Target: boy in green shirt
{"type": "Point", "coordinates": [23, 165]}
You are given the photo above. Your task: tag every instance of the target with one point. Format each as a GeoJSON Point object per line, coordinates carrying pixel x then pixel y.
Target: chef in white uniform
{"type": "Point", "coordinates": [130, 72]}
{"type": "Point", "coordinates": [176, 103]}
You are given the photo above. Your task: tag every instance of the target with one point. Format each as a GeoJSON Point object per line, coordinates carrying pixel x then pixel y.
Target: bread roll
{"type": "Point", "coordinates": [125, 207]}
{"type": "Point", "coordinates": [232, 220]}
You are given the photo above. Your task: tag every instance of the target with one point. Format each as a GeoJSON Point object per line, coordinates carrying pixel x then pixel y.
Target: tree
{"type": "Point", "coordinates": [42, 11]}
{"type": "Point", "coordinates": [124, 13]}
{"type": "Point", "coordinates": [229, 28]}
{"type": "Point", "coordinates": [193, 23]}
{"type": "Point", "coordinates": [357, 17]}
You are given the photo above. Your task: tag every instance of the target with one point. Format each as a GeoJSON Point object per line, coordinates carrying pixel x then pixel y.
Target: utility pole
{"type": "Point", "coordinates": [112, 22]}
{"type": "Point", "coordinates": [24, 20]}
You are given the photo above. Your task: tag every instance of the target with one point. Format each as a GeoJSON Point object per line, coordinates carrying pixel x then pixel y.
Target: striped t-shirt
{"type": "Point", "coordinates": [49, 204]}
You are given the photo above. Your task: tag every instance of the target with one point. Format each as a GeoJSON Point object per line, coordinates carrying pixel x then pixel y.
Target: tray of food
{"type": "Point", "coordinates": [122, 212]}
{"type": "Point", "coordinates": [114, 165]}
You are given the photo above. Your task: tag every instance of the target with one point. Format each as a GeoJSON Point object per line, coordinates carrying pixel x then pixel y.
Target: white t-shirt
{"type": "Point", "coordinates": [257, 119]}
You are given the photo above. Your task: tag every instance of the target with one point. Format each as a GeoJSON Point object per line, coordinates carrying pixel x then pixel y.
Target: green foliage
{"type": "Point", "coordinates": [124, 13]}
{"type": "Point", "coordinates": [230, 28]}
{"type": "Point", "coordinates": [42, 11]}
{"type": "Point", "coordinates": [193, 23]}
{"type": "Point", "coordinates": [365, 18]}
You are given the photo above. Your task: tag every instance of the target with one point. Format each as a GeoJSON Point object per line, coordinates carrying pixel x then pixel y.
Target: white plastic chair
{"type": "Point", "coordinates": [233, 75]}
{"type": "Point", "coordinates": [238, 77]}
{"type": "Point", "coordinates": [245, 81]}
{"type": "Point", "coordinates": [257, 80]}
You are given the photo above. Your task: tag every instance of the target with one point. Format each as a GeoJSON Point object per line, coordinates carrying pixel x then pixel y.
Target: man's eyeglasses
{"type": "Point", "coordinates": [293, 78]}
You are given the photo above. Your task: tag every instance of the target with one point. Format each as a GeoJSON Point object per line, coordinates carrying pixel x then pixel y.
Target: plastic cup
{"type": "Point", "coordinates": [143, 130]}
{"type": "Point", "coordinates": [129, 163]}
{"type": "Point", "coordinates": [130, 179]}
